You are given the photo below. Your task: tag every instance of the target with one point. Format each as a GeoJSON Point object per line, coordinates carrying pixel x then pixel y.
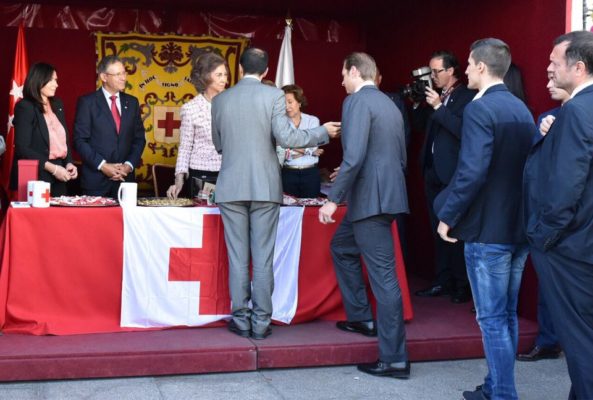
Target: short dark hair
{"type": "Point", "coordinates": [254, 61]}
{"type": "Point", "coordinates": [493, 52]}
{"type": "Point", "coordinates": [38, 76]}
{"type": "Point", "coordinates": [364, 63]}
{"type": "Point", "coordinates": [580, 48]}
{"type": "Point", "coordinates": [106, 62]}
{"type": "Point", "coordinates": [203, 67]}
{"type": "Point", "coordinates": [449, 61]}
{"type": "Point", "coordinates": [298, 94]}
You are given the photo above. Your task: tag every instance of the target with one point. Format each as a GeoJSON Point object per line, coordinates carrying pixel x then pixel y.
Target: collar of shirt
{"type": "Point", "coordinates": [581, 87]}
{"type": "Point", "coordinates": [483, 90]}
{"type": "Point", "coordinates": [108, 98]}
{"type": "Point", "coordinates": [251, 76]}
{"type": "Point", "coordinates": [365, 83]}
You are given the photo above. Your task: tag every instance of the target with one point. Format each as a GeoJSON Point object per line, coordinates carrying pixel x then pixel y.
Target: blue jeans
{"type": "Point", "coordinates": [494, 272]}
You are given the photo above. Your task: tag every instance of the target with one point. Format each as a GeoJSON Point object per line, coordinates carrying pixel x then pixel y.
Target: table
{"type": "Point", "coordinates": [61, 271]}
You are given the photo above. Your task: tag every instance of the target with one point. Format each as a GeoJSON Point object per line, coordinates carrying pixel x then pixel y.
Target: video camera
{"type": "Point", "coordinates": [416, 89]}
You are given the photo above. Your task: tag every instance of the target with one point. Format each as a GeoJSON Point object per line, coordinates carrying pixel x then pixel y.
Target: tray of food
{"type": "Point", "coordinates": [164, 202]}
{"type": "Point", "coordinates": [82, 201]}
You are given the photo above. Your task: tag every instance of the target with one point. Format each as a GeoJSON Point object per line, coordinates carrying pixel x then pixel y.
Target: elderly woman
{"type": "Point", "coordinates": [40, 130]}
{"type": "Point", "coordinates": [197, 156]}
{"type": "Point", "coordinates": [300, 175]}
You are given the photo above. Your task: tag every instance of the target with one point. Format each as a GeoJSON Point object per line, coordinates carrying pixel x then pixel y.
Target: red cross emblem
{"type": "Point", "coordinates": [46, 195]}
{"type": "Point", "coordinates": [208, 264]}
{"type": "Point", "coordinates": [169, 123]}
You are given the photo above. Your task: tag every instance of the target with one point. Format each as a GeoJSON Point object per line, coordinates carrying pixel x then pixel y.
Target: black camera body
{"type": "Point", "coordinates": [417, 89]}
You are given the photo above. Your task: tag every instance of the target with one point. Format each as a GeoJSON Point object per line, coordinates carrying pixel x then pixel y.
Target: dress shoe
{"type": "Point", "coordinates": [381, 368]}
{"type": "Point", "coordinates": [261, 336]}
{"type": "Point", "coordinates": [460, 296]}
{"type": "Point", "coordinates": [540, 353]}
{"type": "Point", "coordinates": [235, 329]}
{"type": "Point", "coordinates": [366, 328]}
{"type": "Point", "coordinates": [434, 291]}
{"type": "Point", "coordinates": [475, 395]}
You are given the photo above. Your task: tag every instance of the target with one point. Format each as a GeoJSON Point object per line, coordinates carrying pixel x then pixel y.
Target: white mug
{"type": "Point", "coordinates": [38, 193]}
{"type": "Point", "coordinates": [127, 195]}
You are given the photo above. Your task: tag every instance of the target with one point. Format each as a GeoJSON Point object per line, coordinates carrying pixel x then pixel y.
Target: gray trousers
{"type": "Point", "coordinates": [250, 234]}
{"type": "Point", "coordinates": [371, 238]}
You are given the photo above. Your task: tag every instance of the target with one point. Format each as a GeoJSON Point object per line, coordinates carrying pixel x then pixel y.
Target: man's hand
{"type": "Point", "coordinates": [318, 152]}
{"type": "Point", "coordinates": [333, 129]}
{"type": "Point", "coordinates": [443, 231]}
{"type": "Point", "coordinates": [113, 171]}
{"type": "Point", "coordinates": [333, 175]}
{"type": "Point", "coordinates": [326, 212]}
{"type": "Point", "coordinates": [432, 98]}
{"type": "Point", "coordinates": [546, 124]}
{"type": "Point", "coordinates": [72, 170]}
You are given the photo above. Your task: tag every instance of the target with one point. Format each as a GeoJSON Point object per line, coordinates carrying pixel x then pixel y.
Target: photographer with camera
{"type": "Point", "coordinates": [440, 115]}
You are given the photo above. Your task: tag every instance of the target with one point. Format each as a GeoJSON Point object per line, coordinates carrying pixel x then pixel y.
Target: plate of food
{"type": "Point", "coordinates": [82, 201]}
{"type": "Point", "coordinates": [164, 202]}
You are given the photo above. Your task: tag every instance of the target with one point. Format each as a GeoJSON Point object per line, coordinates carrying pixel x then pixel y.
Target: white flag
{"type": "Point", "coordinates": [162, 288]}
{"type": "Point", "coordinates": [285, 70]}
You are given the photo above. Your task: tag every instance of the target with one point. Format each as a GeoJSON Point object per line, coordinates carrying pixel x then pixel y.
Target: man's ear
{"type": "Point", "coordinates": [581, 68]}
{"type": "Point", "coordinates": [265, 73]}
{"type": "Point", "coordinates": [241, 73]}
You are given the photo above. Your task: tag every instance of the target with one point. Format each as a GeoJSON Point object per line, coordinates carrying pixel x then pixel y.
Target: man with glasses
{"type": "Point", "coordinates": [441, 119]}
{"type": "Point", "coordinates": [108, 132]}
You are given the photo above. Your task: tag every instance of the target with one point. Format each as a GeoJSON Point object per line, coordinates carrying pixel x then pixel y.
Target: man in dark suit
{"type": "Point", "coordinates": [247, 122]}
{"type": "Point", "coordinates": [108, 132]}
{"type": "Point", "coordinates": [441, 119]}
{"type": "Point", "coordinates": [483, 207]}
{"type": "Point", "coordinates": [559, 208]}
{"type": "Point", "coordinates": [371, 180]}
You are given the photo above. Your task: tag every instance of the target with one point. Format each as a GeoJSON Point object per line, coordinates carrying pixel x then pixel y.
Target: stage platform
{"type": "Point", "coordinates": [440, 330]}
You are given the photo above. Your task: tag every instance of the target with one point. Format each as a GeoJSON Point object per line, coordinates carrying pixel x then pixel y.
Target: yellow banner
{"type": "Point", "coordinates": [158, 69]}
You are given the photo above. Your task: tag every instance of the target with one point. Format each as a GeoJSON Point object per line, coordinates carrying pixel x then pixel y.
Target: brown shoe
{"type": "Point", "coordinates": [540, 353]}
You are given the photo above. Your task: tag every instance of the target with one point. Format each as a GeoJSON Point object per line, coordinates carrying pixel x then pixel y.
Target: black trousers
{"type": "Point", "coordinates": [302, 183]}
{"type": "Point", "coordinates": [567, 286]}
{"type": "Point", "coordinates": [449, 257]}
{"type": "Point", "coordinates": [371, 238]}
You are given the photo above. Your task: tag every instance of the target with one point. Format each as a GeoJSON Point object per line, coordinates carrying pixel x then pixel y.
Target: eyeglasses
{"type": "Point", "coordinates": [119, 74]}
{"type": "Point", "coordinates": [435, 72]}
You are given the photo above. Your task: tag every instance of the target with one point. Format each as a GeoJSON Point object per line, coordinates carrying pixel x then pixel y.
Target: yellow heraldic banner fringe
{"type": "Point", "coordinates": [158, 69]}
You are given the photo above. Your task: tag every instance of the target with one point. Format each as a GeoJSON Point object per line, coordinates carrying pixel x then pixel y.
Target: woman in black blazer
{"type": "Point", "coordinates": [40, 130]}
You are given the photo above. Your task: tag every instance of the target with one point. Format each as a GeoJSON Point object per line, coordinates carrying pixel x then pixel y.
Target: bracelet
{"type": "Point", "coordinates": [55, 170]}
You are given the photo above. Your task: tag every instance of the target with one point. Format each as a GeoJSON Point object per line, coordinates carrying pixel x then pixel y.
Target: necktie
{"type": "Point", "coordinates": [115, 113]}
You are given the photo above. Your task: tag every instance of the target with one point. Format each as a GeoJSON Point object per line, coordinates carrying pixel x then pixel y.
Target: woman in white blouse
{"type": "Point", "coordinates": [197, 156]}
{"type": "Point", "coordinates": [300, 174]}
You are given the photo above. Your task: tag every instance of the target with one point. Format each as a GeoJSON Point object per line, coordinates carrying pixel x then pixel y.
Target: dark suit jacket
{"type": "Point", "coordinates": [31, 138]}
{"type": "Point", "coordinates": [96, 139]}
{"type": "Point", "coordinates": [443, 131]}
{"type": "Point", "coordinates": [371, 176]}
{"type": "Point", "coordinates": [558, 183]}
{"type": "Point", "coordinates": [483, 202]}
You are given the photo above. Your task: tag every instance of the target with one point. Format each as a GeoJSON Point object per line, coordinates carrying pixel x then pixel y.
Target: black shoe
{"type": "Point", "coordinates": [261, 336]}
{"type": "Point", "coordinates": [381, 368]}
{"type": "Point", "coordinates": [475, 395]}
{"type": "Point", "coordinates": [366, 328]}
{"type": "Point", "coordinates": [235, 329]}
{"type": "Point", "coordinates": [540, 353]}
{"type": "Point", "coordinates": [460, 296]}
{"type": "Point", "coordinates": [434, 291]}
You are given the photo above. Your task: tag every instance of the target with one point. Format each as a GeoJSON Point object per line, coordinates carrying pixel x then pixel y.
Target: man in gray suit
{"type": "Point", "coordinates": [371, 180]}
{"type": "Point", "coordinates": [248, 120]}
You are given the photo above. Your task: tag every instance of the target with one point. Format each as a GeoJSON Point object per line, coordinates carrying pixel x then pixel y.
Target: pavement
{"type": "Point", "coordinates": [541, 380]}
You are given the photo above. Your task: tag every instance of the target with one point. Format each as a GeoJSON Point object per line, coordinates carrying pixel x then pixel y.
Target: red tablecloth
{"type": "Point", "coordinates": [61, 271]}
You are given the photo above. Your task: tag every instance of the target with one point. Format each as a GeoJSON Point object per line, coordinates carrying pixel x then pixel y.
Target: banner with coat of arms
{"type": "Point", "coordinates": [159, 69]}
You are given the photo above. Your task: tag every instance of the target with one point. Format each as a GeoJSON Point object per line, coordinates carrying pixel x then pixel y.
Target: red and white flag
{"type": "Point", "coordinates": [176, 269]}
{"type": "Point", "coordinates": [21, 66]}
{"type": "Point", "coordinates": [285, 70]}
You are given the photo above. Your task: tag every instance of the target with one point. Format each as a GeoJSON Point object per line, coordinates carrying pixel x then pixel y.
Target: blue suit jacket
{"type": "Point", "coordinates": [483, 202]}
{"type": "Point", "coordinates": [96, 139]}
{"type": "Point", "coordinates": [371, 176]}
{"type": "Point", "coordinates": [558, 183]}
